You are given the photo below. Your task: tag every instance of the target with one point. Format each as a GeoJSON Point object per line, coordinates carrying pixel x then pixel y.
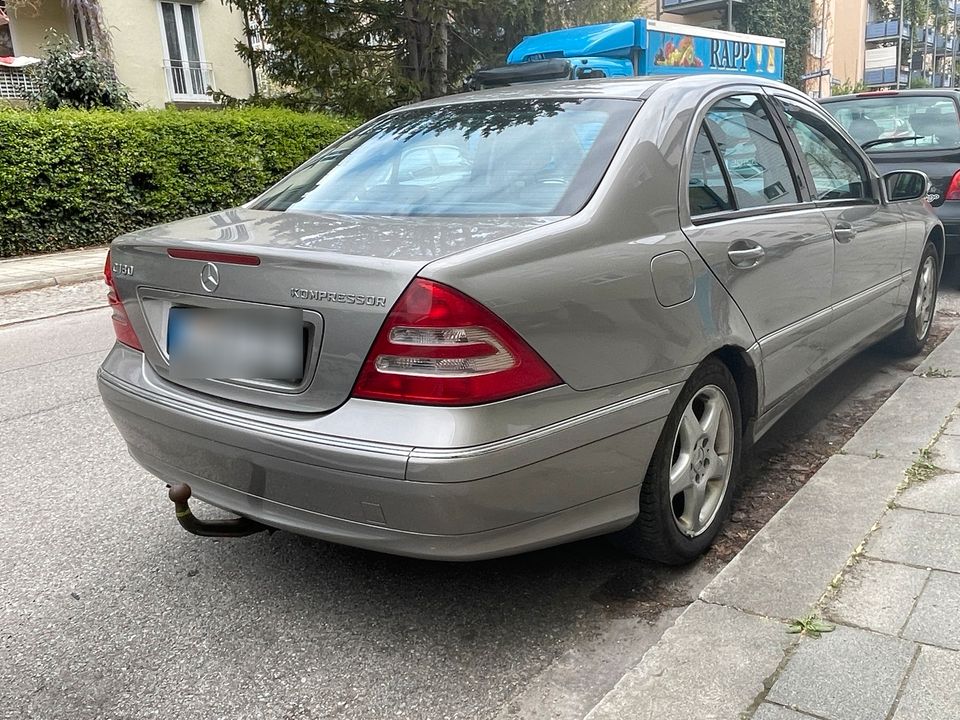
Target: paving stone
{"type": "Point", "coordinates": [933, 690]}
{"type": "Point", "coordinates": [848, 674]}
{"type": "Point", "coordinates": [878, 596]}
{"type": "Point", "coordinates": [938, 494]}
{"type": "Point", "coordinates": [787, 566]}
{"type": "Point", "coordinates": [710, 666]}
{"type": "Point", "coordinates": [936, 619]}
{"type": "Point", "coordinates": [908, 420]}
{"type": "Point", "coordinates": [906, 536]}
{"type": "Point", "coordinates": [946, 452]}
{"type": "Point", "coordinates": [769, 711]}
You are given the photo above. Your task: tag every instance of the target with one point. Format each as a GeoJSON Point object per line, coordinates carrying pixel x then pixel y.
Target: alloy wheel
{"type": "Point", "coordinates": [701, 461]}
{"type": "Point", "coordinates": [925, 301]}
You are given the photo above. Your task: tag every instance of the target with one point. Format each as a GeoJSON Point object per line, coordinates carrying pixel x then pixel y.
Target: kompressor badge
{"type": "Point", "coordinates": [338, 297]}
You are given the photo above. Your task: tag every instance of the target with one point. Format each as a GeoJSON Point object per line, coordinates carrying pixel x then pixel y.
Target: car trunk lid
{"type": "Point", "coordinates": [343, 273]}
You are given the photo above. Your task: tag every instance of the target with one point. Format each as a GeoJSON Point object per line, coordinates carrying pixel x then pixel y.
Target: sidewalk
{"type": "Point", "coordinates": [871, 544]}
{"type": "Point", "coordinates": [38, 271]}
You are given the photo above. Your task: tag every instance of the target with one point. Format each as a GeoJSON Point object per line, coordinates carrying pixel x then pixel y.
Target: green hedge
{"type": "Point", "coordinates": [74, 178]}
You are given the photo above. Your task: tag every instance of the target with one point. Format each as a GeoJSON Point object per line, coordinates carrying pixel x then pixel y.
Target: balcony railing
{"type": "Point", "coordinates": [189, 80]}
{"type": "Point", "coordinates": [15, 83]}
{"type": "Point", "coordinates": [876, 77]}
{"type": "Point", "coordinates": [888, 30]}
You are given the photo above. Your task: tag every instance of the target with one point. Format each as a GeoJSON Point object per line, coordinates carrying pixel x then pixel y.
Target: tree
{"type": "Point", "coordinates": [362, 56]}
{"type": "Point", "coordinates": [788, 19]}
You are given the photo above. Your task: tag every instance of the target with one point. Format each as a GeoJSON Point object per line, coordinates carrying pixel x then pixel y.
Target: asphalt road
{"type": "Point", "coordinates": [109, 610]}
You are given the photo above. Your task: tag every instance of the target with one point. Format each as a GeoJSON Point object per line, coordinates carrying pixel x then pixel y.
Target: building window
{"type": "Point", "coordinates": [6, 36]}
{"type": "Point", "coordinates": [188, 76]}
{"type": "Point", "coordinates": [817, 41]}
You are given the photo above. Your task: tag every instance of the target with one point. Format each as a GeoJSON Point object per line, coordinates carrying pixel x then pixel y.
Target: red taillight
{"type": "Point", "coordinates": [440, 347]}
{"type": "Point", "coordinates": [953, 189]}
{"type": "Point", "coordinates": [121, 323]}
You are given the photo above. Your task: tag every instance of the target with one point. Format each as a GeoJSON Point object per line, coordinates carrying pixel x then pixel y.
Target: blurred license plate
{"type": "Point", "coordinates": [235, 344]}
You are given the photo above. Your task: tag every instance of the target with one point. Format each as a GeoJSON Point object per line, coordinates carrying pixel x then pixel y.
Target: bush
{"type": "Point", "coordinates": [73, 178]}
{"type": "Point", "coordinates": [69, 76]}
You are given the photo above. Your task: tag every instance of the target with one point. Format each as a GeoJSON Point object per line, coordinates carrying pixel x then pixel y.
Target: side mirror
{"type": "Point", "coordinates": [906, 185]}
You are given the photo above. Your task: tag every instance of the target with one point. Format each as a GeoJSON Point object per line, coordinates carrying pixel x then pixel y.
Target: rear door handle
{"type": "Point", "coordinates": [844, 232]}
{"type": "Point", "coordinates": [744, 256]}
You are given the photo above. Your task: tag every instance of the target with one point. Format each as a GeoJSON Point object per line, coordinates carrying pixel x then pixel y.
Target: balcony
{"type": "Point", "coordinates": [685, 7]}
{"type": "Point", "coordinates": [189, 80]}
{"type": "Point", "coordinates": [880, 77]}
{"type": "Point", "coordinates": [887, 30]}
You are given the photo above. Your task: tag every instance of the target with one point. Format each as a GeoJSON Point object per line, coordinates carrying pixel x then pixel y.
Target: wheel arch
{"type": "Point", "coordinates": [936, 236]}
{"type": "Point", "coordinates": [745, 375]}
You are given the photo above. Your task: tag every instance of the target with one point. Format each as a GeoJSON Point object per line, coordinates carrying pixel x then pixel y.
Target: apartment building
{"type": "Point", "coordinates": [165, 51]}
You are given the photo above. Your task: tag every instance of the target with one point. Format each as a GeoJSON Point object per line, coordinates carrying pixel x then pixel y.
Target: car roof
{"type": "Point", "coordinates": [920, 92]}
{"type": "Point", "coordinates": [633, 88]}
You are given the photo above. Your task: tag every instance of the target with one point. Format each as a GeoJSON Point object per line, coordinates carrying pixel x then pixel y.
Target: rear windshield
{"type": "Point", "coordinates": [515, 157]}
{"type": "Point", "coordinates": [907, 123]}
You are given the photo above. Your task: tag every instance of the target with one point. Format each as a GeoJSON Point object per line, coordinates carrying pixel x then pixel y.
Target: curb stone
{"type": "Point", "coordinates": [785, 571]}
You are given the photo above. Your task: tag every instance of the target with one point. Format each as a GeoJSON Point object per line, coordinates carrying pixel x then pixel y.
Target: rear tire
{"type": "Point", "coordinates": [910, 339]}
{"type": "Point", "coordinates": [688, 489]}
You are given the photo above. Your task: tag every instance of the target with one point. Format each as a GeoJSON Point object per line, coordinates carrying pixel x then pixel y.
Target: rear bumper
{"type": "Point", "coordinates": [539, 488]}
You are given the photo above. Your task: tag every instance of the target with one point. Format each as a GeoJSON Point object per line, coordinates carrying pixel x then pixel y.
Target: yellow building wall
{"type": "Point", "coordinates": [30, 29]}
{"type": "Point", "coordinates": [849, 45]}
{"type": "Point", "coordinates": [138, 48]}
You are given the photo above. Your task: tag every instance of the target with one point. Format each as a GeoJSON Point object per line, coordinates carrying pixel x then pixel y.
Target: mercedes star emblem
{"type": "Point", "coordinates": [210, 277]}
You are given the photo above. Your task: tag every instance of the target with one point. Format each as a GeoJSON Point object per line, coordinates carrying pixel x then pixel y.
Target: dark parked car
{"type": "Point", "coordinates": [915, 130]}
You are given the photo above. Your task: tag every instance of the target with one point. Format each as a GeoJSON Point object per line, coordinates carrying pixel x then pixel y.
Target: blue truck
{"type": "Point", "coordinates": [636, 47]}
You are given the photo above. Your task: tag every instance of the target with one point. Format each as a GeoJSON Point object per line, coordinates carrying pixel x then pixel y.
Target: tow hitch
{"type": "Point", "coordinates": [235, 527]}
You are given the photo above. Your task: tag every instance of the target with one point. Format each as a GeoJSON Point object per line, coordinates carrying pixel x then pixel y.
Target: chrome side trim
{"type": "Point", "coordinates": [532, 435]}
{"type": "Point", "coordinates": [778, 339]}
{"type": "Point", "coordinates": [863, 297]}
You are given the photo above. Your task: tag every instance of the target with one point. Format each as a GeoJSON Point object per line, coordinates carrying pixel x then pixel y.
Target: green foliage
{"type": "Point", "coordinates": [919, 83]}
{"type": "Point", "coordinates": [810, 625]}
{"type": "Point", "coordinates": [74, 178]}
{"type": "Point", "coordinates": [360, 57]}
{"type": "Point", "coordinates": [918, 13]}
{"type": "Point", "coordinates": [74, 78]}
{"type": "Point", "coordinates": [790, 19]}
{"type": "Point", "coordinates": [848, 88]}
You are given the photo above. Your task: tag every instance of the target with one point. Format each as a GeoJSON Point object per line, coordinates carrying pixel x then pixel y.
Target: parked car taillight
{"type": "Point", "coordinates": [121, 323]}
{"type": "Point", "coordinates": [953, 189]}
{"type": "Point", "coordinates": [440, 347]}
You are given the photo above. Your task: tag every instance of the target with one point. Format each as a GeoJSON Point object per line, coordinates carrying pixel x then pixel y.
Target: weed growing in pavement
{"type": "Point", "coordinates": [923, 467]}
{"type": "Point", "coordinates": [811, 625]}
{"type": "Point", "coordinates": [876, 455]}
{"type": "Point", "coordinates": [936, 372]}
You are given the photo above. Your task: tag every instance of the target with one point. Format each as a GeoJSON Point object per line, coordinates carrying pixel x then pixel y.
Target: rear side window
{"type": "Point", "coordinates": [836, 171]}
{"type": "Point", "coordinates": [751, 153]}
{"type": "Point", "coordinates": [708, 189]}
{"type": "Point", "coordinates": [899, 123]}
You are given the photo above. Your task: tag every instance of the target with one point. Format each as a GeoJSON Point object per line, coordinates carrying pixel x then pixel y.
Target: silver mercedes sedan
{"type": "Point", "coordinates": [509, 319]}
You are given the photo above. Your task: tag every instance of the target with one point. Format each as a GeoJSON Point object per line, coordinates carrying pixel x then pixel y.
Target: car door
{"type": "Point", "coordinates": [746, 213]}
{"type": "Point", "coordinates": [869, 235]}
